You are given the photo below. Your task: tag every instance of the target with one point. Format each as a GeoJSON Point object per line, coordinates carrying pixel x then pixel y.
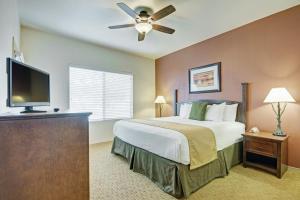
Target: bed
{"type": "Point", "coordinates": [163, 154]}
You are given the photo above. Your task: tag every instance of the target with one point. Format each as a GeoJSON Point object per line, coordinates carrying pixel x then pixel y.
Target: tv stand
{"type": "Point", "coordinates": [45, 156]}
{"type": "Point", "coordinates": [29, 109]}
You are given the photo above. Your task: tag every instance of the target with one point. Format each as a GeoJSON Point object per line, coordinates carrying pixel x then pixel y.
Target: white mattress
{"type": "Point", "coordinates": [171, 144]}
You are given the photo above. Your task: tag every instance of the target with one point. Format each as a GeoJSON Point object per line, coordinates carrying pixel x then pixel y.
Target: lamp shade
{"type": "Point", "coordinates": [143, 27]}
{"type": "Point", "coordinates": [279, 95]}
{"type": "Point", "coordinates": [160, 99]}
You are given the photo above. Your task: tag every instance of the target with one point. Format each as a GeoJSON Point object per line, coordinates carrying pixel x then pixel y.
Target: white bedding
{"type": "Point", "coordinates": [171, 144]}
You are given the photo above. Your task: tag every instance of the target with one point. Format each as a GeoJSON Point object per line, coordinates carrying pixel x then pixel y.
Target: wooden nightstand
{"type": "Point", "coordinates": [266, 151]}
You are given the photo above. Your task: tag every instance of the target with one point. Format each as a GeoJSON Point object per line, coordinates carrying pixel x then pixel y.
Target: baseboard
{"type": "Point", "coordinates": [293, 168]}
{"type": "Point", "coordinates": [101, 142]}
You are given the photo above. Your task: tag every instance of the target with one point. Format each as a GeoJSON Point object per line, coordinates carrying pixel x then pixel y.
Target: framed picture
{"type": "Point", "coordinates": [205, 78]}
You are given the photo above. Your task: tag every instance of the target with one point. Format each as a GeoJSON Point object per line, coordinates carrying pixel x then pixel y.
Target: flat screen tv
{"type": "Point", "coordinates": [27, 86]}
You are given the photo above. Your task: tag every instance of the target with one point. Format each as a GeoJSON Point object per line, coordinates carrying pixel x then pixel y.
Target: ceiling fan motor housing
{"type": "Point", "coordinates": [140, 9]}
{"type": "Point", "coordinates": [144, 14]}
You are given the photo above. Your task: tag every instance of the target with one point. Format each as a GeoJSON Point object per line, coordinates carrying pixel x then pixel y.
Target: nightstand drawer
{"type": "Point", "coordinates": [261, 147]}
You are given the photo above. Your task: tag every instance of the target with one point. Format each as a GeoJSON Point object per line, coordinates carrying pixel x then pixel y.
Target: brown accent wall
{"type": "Point", "coordinates": [265, 53]}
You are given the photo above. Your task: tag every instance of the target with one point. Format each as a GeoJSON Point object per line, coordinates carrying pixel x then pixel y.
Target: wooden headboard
{"type": "Point", "coordinates": [242, 107]}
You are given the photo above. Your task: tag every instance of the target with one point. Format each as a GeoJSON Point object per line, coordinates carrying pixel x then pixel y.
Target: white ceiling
{"type": "Point", "coordinates": [194, 21]}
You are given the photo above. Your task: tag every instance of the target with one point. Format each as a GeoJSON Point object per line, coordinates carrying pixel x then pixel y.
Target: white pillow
{"type": "Point", "coordinates": [230, 112]}
{"type": "Point", "coordinates": [188, 110]}
{"type": "Point", "coordinates": [215, 112]}
{"type": "Point", "coordinates": [185, 110]}
{"type": "Point", "coordinates": [182, 111]}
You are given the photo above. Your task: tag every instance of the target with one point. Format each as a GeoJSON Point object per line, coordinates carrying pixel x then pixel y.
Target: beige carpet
{"type": "Point", "coordinates": [111, 179]}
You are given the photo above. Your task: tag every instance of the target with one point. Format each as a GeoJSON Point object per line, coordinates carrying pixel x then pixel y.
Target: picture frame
{"type": "Point", "coordinates": [205, 79]}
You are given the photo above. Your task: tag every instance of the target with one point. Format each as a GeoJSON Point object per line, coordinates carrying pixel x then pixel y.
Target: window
{"type": "Point", "coordinates": [107, 95]}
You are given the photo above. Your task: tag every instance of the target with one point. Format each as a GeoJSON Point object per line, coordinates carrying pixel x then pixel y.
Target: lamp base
{"type": "Point", "coordinates": [279, 132]}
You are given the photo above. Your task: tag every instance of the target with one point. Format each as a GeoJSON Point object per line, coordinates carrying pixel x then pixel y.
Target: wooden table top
{"type": "Point", "coordinates": [265, 135]}
{"type": "Point", "coordinates": [16, 116]}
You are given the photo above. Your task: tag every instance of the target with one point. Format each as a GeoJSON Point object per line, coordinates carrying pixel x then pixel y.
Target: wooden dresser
{"type": "Point", "coordinates": [44, 156]}
{"type": "Point", "coordinates": [266, 151]}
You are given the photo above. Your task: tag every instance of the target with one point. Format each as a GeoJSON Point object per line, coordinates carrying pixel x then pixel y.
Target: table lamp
{"type": "Point", "coordinates": [279, 97]}
{"type": "Point", "coordinates": [160, 100]}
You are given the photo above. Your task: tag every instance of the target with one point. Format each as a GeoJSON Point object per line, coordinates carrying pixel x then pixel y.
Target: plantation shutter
{"type": "Point", "coordinates": [107, 95]}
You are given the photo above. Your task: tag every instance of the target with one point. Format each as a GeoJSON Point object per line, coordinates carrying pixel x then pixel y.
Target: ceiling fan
{"type": "Point", "coordinates": [144, 20]}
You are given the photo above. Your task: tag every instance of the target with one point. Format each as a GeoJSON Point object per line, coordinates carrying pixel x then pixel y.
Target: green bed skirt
{"type": "Point", "coordinates": [174, 178]}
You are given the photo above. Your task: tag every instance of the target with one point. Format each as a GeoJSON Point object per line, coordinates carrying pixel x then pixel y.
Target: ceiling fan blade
{"type": "Point", "coordinates": [128, 10]}
{"type": "Point", "coordinates": [121, 26]}
{"type": "Point", "coordinates": [163, 29]}
{"type": "Point", "coordinates": [141, 36]}
{"type": "Point", "coordinates": [163, 13]}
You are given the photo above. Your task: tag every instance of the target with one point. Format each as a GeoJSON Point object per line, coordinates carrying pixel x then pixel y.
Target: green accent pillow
{"type": "Point", "coordinates": [198, 111]}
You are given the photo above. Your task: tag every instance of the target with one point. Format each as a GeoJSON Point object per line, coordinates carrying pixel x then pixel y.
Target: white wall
{"type": "Point", "coordinates": [9, 28]}
{"type": "Point", "coordinates": [54, 54]}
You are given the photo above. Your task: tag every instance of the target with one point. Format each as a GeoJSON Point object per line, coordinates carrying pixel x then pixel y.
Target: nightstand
{"type": "Point", "coordinates": [266, 151]}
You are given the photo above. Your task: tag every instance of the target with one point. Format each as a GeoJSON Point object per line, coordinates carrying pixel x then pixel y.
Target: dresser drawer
{"type": "Point", "coordinates": [261, 147]}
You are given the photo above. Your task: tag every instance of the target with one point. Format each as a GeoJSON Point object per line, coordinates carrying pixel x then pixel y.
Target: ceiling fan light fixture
{"type": "Point", "coordinates": [143, 27]}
